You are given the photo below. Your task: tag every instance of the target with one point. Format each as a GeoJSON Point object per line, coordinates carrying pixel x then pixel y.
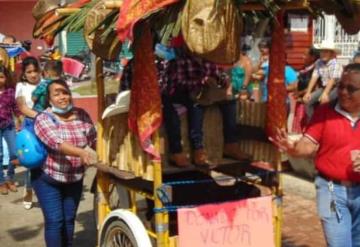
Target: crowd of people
{"type": "Point", "coordinates": [41, 103]}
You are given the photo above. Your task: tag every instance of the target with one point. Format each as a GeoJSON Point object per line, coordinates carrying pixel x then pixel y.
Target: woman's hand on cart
{"type": "Point", "coordinates": [88, 156]}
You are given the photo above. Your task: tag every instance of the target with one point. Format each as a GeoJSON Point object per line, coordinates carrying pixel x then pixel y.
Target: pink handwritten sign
{"type": "Point", "coordinates": [245, 223]}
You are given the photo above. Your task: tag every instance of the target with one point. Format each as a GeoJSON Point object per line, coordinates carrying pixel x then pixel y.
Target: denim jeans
{"type": "Point", "coordinates": [314, 100]}
{"type": "Point", "coordinates": [59, 203]}
{"type": "Point", "coordinates": [172, 121]}
{"type": "Point", "coordinates": [339, 210]}
{"type": "Point", "coordinates": [228, 112]}
{"type": "Point", "coordinates": [8, 133]}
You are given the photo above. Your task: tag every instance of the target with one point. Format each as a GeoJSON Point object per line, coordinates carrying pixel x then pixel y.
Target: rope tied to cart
{"type": "Point", "coordinates": [164, 193]}
{"type": "Point", "coordinates": [174, 208]}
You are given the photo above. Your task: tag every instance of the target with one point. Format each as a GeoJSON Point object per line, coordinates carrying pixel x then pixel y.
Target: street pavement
{"type": "Point", "coordinates": [301, 226]}
{"type": "Point", "coordinates": [24, 228]}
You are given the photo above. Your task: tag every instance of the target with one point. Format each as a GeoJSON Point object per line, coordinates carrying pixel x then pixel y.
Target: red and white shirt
{"type": "Point", "coordinates": [337, 134]}
{"type": "Point", "coordinates": [79, 132]}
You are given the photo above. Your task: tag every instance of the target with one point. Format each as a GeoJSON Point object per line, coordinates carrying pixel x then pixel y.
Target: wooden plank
{"type": "Point", "coordinates": [113, 171]}
{"type": "Point", "coordinates": [292, 55]}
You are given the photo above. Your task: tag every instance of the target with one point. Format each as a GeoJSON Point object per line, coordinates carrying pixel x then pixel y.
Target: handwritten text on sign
{"type": "Point", "coordinates": [245, 223]}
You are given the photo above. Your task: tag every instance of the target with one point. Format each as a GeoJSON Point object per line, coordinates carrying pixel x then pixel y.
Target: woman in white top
{"type": "Point", "coordinates": [30, 78]}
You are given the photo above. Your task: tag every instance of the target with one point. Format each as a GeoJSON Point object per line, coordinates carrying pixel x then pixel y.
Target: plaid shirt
{"type": "Point", "coordinates": [185, 73]}
{"type": "Point", "coordinates": [39, 95]}
{"type": "Point", "coordinates": [8, 107]}
{"type": "Point", "coordinates": [327, 71]}
{"type": "Point", "coordinates": [79, 132]}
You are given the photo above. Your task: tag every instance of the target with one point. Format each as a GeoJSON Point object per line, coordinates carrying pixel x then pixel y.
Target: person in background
{"type": "Point", "coordinates": [8, 109]}
{"type": "Point", "coordinates": [328, 70]}
{"type": "Point", "coordinates": [333, 137]}
{"type": "Point", "coordinates": [53, 70]}
{"type": "Point", "coordinates": [310, 57]}
{"type": "Point", "coordinates": [9, 40]}
{"type": "Point", "coordinates": [300, 118]}
{"type": "Point", "coordinates": [58, 184]}
{"type": "Point", "coordinates": [264, 48]}
{"type": "Point", "coordinates": [241, 75]}
{"type": "Point", "coordinates": [30, 78]}
{"type": "Point", "coordinates": [356, 58]}
{"type": "Point", "coordinates": [262, 71]}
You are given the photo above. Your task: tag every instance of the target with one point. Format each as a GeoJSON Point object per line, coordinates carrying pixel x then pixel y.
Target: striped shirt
{"type": "Point", "coordinates": [327, 71]}
{"type": "Point", "coordinates": [79, 132]}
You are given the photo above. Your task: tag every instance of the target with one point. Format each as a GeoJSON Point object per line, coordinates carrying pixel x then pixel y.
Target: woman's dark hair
{"type": "Point", "coordinates": [352, 67]}
{"type": "Point", "coordinates": [59, 82]}
{"type": "Point", "coordinates": [26, 62]}
{"type": "Point", "coordinates": [8, 76]}
{"type": "Point", "coordinates": [245, 48]}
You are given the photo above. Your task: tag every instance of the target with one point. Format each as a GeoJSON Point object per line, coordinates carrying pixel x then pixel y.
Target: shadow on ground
{"type": "Point", "coordinates": [87, 236]}
{"type": "Point", "coordinates": [25, 233]}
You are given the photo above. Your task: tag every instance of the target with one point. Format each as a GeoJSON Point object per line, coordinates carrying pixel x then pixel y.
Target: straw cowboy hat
{"type": "Point", "coordinates": [121, 105]}
{"type": "Point", "coordinates": [107, 47]}
{"type": "Point", "coordinates": [46, 20]}
{"type": "Point", "coordinates": [327, 45]}
{"type": "Point", "coordinates": [44, 6]}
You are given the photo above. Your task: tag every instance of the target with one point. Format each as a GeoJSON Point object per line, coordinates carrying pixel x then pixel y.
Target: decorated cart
{"type": "Point", "coordinates": [140, 199]}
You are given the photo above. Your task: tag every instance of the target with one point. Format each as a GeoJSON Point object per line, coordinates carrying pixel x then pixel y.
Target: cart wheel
{"type": "Point", "coordinates": [118, 234]}
{"type": "Point", "coordinates": [121, 228]}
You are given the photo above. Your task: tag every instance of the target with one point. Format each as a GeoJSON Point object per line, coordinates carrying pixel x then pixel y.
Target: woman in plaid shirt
{"type": "Point", "coordinates": [66, 131]}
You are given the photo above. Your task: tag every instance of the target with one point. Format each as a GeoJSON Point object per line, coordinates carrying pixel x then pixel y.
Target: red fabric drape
{"type": "Point", "coordinates": [132, 11]}
{"type": "Point", "coordinates": [276, 106]}
{"type": "Point", "coordinates": [145, 113]}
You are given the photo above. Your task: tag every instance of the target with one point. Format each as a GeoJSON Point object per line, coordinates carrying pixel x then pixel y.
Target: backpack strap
{"type": "Point", "coordinates": [52, 117]}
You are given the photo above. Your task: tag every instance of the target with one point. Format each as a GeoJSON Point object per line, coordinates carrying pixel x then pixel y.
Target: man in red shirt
{"type": "Point", "coordinates": [333, 135]}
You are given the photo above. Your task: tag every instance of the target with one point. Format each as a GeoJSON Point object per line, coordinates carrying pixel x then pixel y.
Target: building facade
{"type": "Point", "coordinates": [328, 28]}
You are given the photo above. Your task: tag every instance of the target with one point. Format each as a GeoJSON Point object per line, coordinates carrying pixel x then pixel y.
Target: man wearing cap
{"type": "Point", "coordinates": [333, 136]}
{"type": "Point", "coordinates": [328, 71]}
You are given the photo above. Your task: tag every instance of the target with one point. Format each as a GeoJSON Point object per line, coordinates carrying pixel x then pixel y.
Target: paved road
{"type": "Point", "coordinates": [23, 228]}
{"type": "Point", "coordinates": [301, 226]}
